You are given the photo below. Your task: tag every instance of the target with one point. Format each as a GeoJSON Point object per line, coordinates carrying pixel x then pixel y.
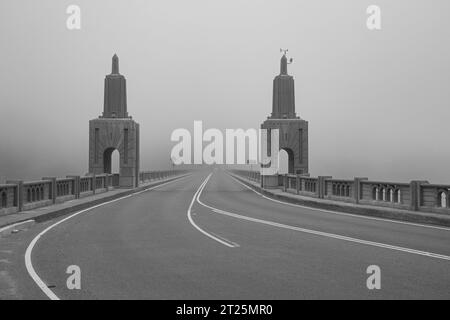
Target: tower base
{"type": "Point", "coordinates": [109, 134]}
{"type": "Point", "coordinates": [293, 138]}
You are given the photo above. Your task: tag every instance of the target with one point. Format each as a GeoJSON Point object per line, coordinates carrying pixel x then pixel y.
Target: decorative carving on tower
{"type": "Point", "coordinates": [115, 130]}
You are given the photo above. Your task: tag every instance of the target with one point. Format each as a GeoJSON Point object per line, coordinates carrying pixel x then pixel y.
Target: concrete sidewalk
{"type": "Point", "coordinates": [64, 208]}
{"type": "Point", "coordinates": [351, 208]}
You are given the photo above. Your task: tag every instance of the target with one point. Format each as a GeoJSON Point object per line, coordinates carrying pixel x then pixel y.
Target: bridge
{"type": "Point", "coordinates": [219, 232]}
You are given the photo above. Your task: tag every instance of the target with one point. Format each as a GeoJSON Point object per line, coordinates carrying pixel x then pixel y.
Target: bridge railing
{"type": "Point", "coordinates": [148, 176]}
{"type": "Point", "coordinates": [251, 175]}
{"type": "Point", "coordinates": [36, 194]}
{"type": "Point", "coordinates": [434, 198]}
{"type": "Point", "coordinates": [16, 195]}
{"type": "Point", "coordinates": [8, 197]}
{"type": "Point", "coordinates": [416, 195]}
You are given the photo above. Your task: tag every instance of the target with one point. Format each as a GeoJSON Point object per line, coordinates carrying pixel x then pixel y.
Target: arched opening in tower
{"type": "Point", "coordinates": [111, 161]}
{"type": "Point", "coordinates": [286, 161]}
{"type": "Point", "coordinates": [115, 162]}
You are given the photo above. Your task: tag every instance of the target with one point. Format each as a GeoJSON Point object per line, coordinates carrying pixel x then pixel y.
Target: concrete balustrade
{"type": "Point", "coordinates": [9, 196]}
{"type": "Point", "coordinates": [17, 196]}
{"type": "Point", "coordinates": [148, 176]}
{"type": "Point", "coordinates": [416, 195]}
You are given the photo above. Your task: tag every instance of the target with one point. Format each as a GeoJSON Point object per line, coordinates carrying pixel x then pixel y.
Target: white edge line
{"type": "Point", "coordinates": [29, 265]}
{"type": "Point", "coordinates": [197, 193]}
{"type": "Point", "coordinates": [341, 213]}
{"type": "Point", "coordinates": [329, 235]}
{"type": "Point", "coordinates": [15, 225]}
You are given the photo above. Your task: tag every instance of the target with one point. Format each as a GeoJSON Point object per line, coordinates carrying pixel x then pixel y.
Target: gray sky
{"type": "Point", "coordinates": [377, 102]}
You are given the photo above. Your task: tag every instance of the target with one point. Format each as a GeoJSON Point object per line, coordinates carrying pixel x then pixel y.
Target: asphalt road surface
{"type": "Point", "coordinates": [207, 236]}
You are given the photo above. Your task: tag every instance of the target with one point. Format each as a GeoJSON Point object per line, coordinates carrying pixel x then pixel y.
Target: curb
{"type": "Point", "coordinates": [82, 206]}
{"type": "Point", "coordinates": [400, 215]}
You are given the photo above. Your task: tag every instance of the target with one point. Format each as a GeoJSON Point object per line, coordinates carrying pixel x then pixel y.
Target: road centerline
{"type": "Point", "coordinates": [221, 240]}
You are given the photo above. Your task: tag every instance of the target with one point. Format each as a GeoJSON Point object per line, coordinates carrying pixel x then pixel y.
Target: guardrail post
{"type": "Point", "coordinates": [416, 196]}
{"type": "Point", "coordinates": [76, 186]}
{"type": "Point", "coordinates": [321, 188]}
{"type": "Point", "coordinates": [94, 183]}
{"type": "Point", "coordinates": [297, 183]}
{"type": "Point", "coordinates": [285, 182]}
{"type": "Point", "coordinates": [357, 190]}
{"type": "Point", "coordinates": [302, 181]}
{"type": "Point", "coordinates": [19, 190]}
{"type": "Point", "coordinates": [52, 187]}
{"type": "Point", "coordinates": [109, 181]}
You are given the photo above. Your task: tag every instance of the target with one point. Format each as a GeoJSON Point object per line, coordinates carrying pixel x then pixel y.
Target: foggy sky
{"type": "Point", "coordinates": [377, 102]}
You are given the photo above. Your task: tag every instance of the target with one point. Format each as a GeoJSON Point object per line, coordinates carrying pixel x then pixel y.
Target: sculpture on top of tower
{"type": "Point", "coordinates": [284, 62]}
{"type": "Point", "coordinates": [115, 64]}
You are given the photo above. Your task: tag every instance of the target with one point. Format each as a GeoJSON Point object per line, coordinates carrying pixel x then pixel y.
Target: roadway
{"type": "Point", "coordinates": [207, 236]}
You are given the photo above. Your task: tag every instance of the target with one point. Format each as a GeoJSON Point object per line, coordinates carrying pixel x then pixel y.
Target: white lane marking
{"type": "Point", "coordinates": [328, 235]}
{"type": "Point", "coordinates": [221, 240]}
{"type": "Point", "coordinates": [342, 213]}
{"type": "Point", "coordinates": [15, 225]}
{"type": "Point", "coordinates": [41, 284]}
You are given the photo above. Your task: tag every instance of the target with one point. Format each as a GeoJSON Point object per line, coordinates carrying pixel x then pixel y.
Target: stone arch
{"type": "Point", "coordinates": [388, 196]}
{"type": "Point", "coordinates": [108, 159]}
{"type": "Point", "coordinates": [382, 195]}
{"type": "Point", "coordinates": [398, 196]}
{"type": "Point", "coordinates": [442, 199]}
{"type": "Point", "coordinates": [391, 195]}
{"type": "Point", "coordinates": [291, 159]}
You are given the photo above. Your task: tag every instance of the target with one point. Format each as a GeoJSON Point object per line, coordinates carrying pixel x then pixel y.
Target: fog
{"type": "Point", "coordinates": [377, 102]}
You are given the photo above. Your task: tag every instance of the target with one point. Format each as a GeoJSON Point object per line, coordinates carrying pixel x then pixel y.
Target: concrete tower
{"type": "Point", "coordinates": [293, 131]}
{"type": "Point", "coordinates": [115, 130]}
